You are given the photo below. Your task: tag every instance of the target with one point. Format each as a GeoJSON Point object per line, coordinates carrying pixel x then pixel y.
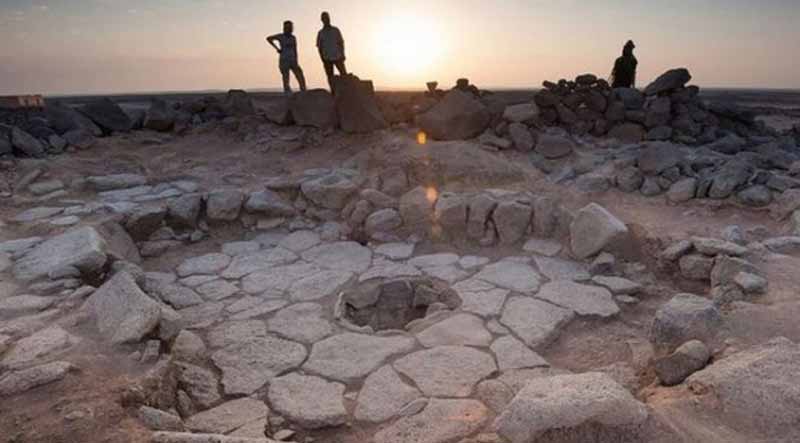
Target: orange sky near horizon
{"type": "Point", "coordinates": [105, 46]}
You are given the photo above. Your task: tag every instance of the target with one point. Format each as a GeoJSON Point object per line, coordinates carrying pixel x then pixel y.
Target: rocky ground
{"type": "Point", "coordinates": [235, 278]}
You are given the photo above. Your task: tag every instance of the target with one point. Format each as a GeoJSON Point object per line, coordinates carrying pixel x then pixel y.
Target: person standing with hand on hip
{"type": "Point", "coordinates": [287, 48]}
{"type": "Point", "coordinates": [331, 49]}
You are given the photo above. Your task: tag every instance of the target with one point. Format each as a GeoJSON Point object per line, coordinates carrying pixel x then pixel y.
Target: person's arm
{"type": "Point", "coordinates": [272, 39]}
{"type": "Point", "coordinates": [341, 40]}
{"type": "Point", "coordinates": [319, 44]}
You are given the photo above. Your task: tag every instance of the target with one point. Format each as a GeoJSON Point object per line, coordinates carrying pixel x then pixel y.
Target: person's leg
{"type": "Point", "coordinates": [341, 68]}
{"type": "Point", "coordinates": [329, 73]}
{"type": "Point", "coordinates": [287, 88]}
{"type": "Point", "coordinates": [301, 78]}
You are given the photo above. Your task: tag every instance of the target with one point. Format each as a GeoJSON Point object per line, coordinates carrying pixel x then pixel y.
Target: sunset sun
{"type": "Point", "coordinates": [407, 44]}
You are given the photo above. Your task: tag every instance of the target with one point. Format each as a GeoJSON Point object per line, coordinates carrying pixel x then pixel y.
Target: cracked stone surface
{"type": "Point", "coordinates": [303, 322]}
{"type": "Point", "coordinates": [583, 299]}
{"type": "Point", "coordinates": [208, 264]}
{"type": "Point", "coordinates": [247, 365]}
{"type": "Point", "coordinates": [460, 329]}
{"type": "Point", "coordinates": [319, 285]}
{"type": "Point", "coordinates": [558, 269]}
{"type": "Point", "coordinates": [340, 256]}
{"type": "Point", "coordinates": [228, 416]}
{"type": "Point", "coordinates": [513, 354]}
{"type": "Point", "coordinates": [349, 356]}
{"type": "Point", "coordinates": [480, 297]}
{"type": "Point", "coordinates": [309, 401]}
{"type": "Point", "coordinates": [383, 396]}
{"type": "Point", "coordinates": [536, 322]}
{"type": "Point", "coordinates": [511, 275]}
{"type": "Point", "coordinates": [446, 371]}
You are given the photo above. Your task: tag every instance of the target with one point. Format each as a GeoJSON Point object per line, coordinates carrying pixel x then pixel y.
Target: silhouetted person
{"type": "Point", "coordinates": [288, 56]}
{"type": "Point", "coordinates": [331, 48]}
{"type": "Point", "coordinates": [624, 73]}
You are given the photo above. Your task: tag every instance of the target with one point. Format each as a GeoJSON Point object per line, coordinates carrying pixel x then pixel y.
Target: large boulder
{"type": "Point", "coordinates": [331, 191]}
{"type": "Point", "coordinates": [160, 117]}
{"type": "Point", "coordinates": [63, 119]}
{"type": "Point", "coordinates": [685, 317]}
{"type": "Point", "coordinates": [687, 359]}
{"type": "Point", "coordinates": [628, 132]}
{"type": "Point", "coordinates": [631, 98]}
{"type": "Point", "coordinates": [356, 105]}
{"type": "Point", "coordinates": [82, 249]}
{"type": "Point", "coordinates": [416, 208]}
{"type": "Point", "coordinates": [107, 115]}
{"type": "Point", "coordinates": [458, 116]}
{"type": "Point", "coordinates": [573, 408]}
{"type": "Point", "coordinates": [26, 143]}
{"type": "Point", "coordinates": [520, 113]}
{"type": "Point", "coordinates": [657, 157]}
{"type": "Point", "coordinates": [669, 81]}
{"type": "Point", "coordinates": [554, 146]}
{"type": "Point", "coordinates": [756, 390]}
{"type": "Point", "coordinates": [122, 312]}
{"type": "Point", "coordinates": [237, 102]}
{"type": "Point", "coordinates": [315, 107]}
{"type": "Point", "coordinates": [594, 229]}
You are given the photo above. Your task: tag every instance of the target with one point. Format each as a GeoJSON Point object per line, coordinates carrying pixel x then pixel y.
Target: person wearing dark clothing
{"type": "Point", "coordinates": [287, 48]}
{"type": "Point", "coordinates": [624, 73]}
{"type": "Point", "coordinates": [331, 48]}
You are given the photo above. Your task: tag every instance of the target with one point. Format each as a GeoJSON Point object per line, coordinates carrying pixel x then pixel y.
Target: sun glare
{"type": "Point", "coordinates": [407, 45]}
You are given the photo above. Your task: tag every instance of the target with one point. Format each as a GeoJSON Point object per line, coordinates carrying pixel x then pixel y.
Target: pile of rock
{"type": "Point", "coordinates": [666, 110]}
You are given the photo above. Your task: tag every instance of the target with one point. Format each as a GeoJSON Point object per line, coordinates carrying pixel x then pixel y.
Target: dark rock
{"type": "Point", "coordinates": [26, 143]}
{"type": "Point", "coordinates": [63, 119]}
{"type": "Point", "coordinates": [356, 106]}
{"type": "Point", "coordinates": [731, 177]}
{"type": "Point", "coordinates": [80, 138]}
{"type": "Point", "coordinates": [630, 97]}
{"type": "Point", "coordinates": [689, 358]}
{"type": "Point", "coordinates": [658, 112]}
{"type": "Point", "coordinates": [554, 146]}
{"type": "Point", "coordinates": [731, 144]}
{"type": "Point", "coordinates": [458, 116]}
{"type": "Point", "coordinates": [546, 99]}
{"type": "Point", "coordinates": [160, 116]}
{"type": "Point", "coordinates": [659, 133]}
{"type": "Point", "coordinates": [314, 107]}
{"type": "Point", "coordinates": [685, 317]}
{"type": "Point", "coordinates": [629, 179]}
{"type": "Point", "coordinates": [627, 132]}
{"type": "Point", "coordinates": [669, 81]}
{"type": "Point", "coordinates": [238, 103]}
{"type": "Point", "coordinates": [657, 157]}
{"type": "Point", "coordinates": [757, 196]}
{"type": "Point", "coordinates": [107, 115]}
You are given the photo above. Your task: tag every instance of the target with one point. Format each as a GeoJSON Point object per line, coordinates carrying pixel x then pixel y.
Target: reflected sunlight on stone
{"type": "Point", "coordinates": [422, 138]}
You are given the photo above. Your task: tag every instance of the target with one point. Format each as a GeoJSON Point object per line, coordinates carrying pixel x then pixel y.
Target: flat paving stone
{"type": "Point", "coordinates": [279, 278]}
{"type": "Point", "coordinates": [387, 269]}
{"type": "Point", "coordinates": [442, 421]}
{"type": "Point", "coordinates": [240, 247]}
{"type": "Point", "coordinates": [434, 260]}
{"type": "Point", "coordinates": [217, 290]}
{"type": "Point", "coordinates": [446, 371]}
{"type": "Point", "coordinates": [583, 299]}
{"type": "Point", "coordinates": [460, 329]}
{"type": "Point", "coordinates": [395, 251]}
{"type": "Point", "coordinates": [21, 304]}
{"type": "Point", "coordinates": [208, 264]}
{"type": "Point", "coordinates": [246, 264]}
{"type": "Point", "coordinates": [319, 285]}
{"type": "Point", "coordinates": [179, 297]}
{"type": "Point", "coordinates": [311, 402]}
{"type": "Point", "coordinates": [232, 332]}
{"type": "Point", "coordinates": [340, 256]}
{"type": "Point", "coordinates": [197, 280]}
{"type": "Point", "coordinates": [447, 273]}
{"type": "Point", "coordinates": [349, 357]}
{"type": "Point", "coordinates": [513, 354]}
{"type": "Point", "coordinates": [17, 382]}
{"type": "Point", "coordinates": [228, 416]}
{"type": "Point", "coordinates": [470, 262]}
{"type": "Point", "coordinates": [536, 322]}
{"type": "Point", "coordinates": [248, 365]}
{"type": "Point", "coordinates": [266, 307]}
{"type": "Point", "coordinates": [545, 247]}
{"type": "Point", "coordinates": [300, 241]}
{"type": "Point", "coordinates": [617, 285]}
{"type": "Point", "coordinates": [37, 214]}
{"type": "Point", "coordinates": [511, 275]}
{"type": "Point", "coordinates": [480, 297]}
{"type": "Point", "coordinates": [303, 322]}
{"type": "Point", "coordinates": [37, 347]}
{"type": "Point", "coordinates": [19, 245]}
{"type": "Point", "coordinates": [383, 396]}
{"type": "Point", "coordinates": [558, 269]}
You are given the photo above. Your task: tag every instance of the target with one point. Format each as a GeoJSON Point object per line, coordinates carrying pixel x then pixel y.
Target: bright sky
{"type": "Point", "coordinates": [82, 46]}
